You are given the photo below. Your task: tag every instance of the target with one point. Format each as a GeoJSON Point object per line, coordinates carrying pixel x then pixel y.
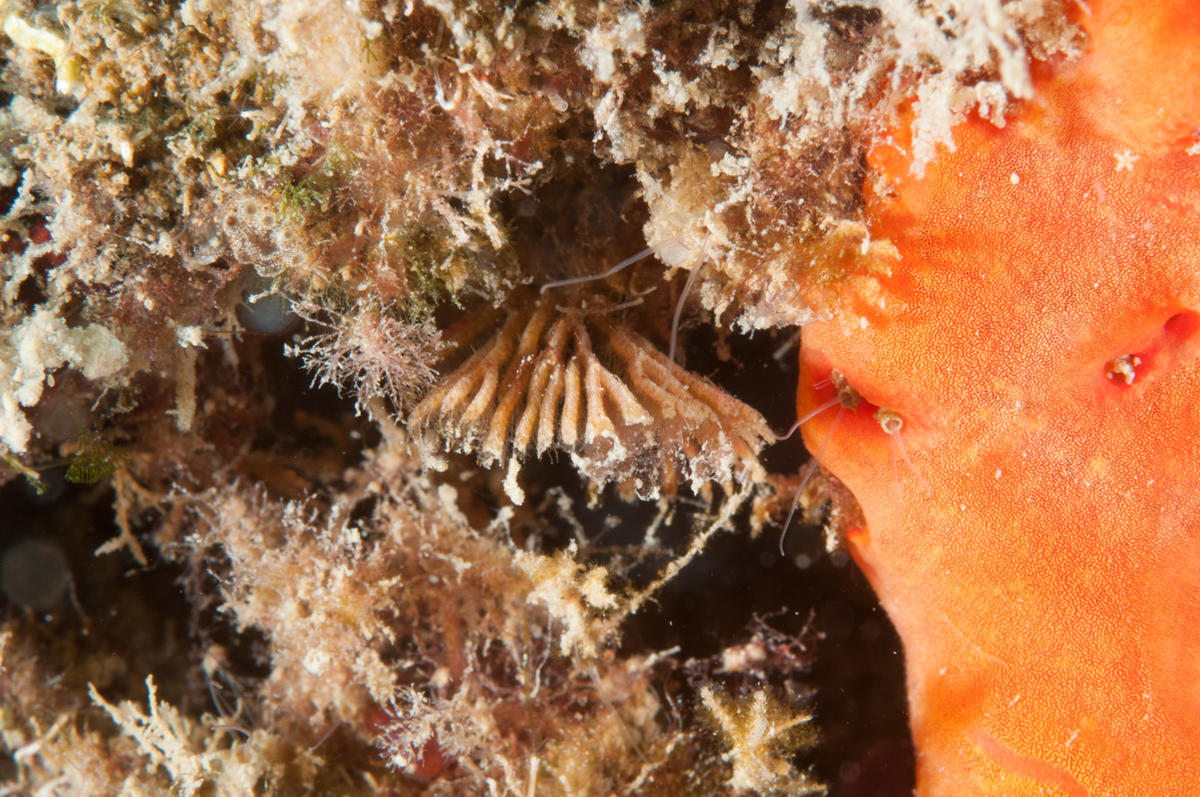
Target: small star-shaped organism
{"type": "Point", "coordinates": [760, 733]}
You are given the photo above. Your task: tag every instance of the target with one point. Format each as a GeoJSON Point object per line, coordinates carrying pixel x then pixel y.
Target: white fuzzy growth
{"type": "Point", "coordinates": [39, 345]}
{"type": "Point", "coordinates": [601, 44]}
{"type": "Point", "coordinates": [316, 661]}
{"type": "Point", "coordinates": [574, 595]}
{"type": "Point", "coordinates": [960, 37]}
{"type": "Point", "coordinates": [804, 88]}
{"type": "Point", "coordinates": [190, 337]}
{"type": "Point", "coordinates": [329, 43]}
{"type": "Point", "coordinates": [936, 44]}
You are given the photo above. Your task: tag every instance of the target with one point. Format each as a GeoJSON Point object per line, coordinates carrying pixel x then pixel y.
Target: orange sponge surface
{"type": "Point", "coordinates": [1026, 450]}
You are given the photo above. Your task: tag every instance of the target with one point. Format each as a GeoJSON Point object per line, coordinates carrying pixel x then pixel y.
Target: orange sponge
{"type": "Point", "coordinates": [1026, 449]}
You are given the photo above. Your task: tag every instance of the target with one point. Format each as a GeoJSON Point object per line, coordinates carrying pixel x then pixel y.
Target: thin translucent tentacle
{"type": "Point", "coordinates": [808, 474]}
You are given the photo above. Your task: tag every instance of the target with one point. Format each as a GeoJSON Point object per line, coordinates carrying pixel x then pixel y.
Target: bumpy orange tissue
{"type": "Point", "coordinates": [1026, 450]}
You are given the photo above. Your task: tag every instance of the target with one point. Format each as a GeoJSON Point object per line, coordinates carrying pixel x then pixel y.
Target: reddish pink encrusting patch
{"type": "Point", "coordinates": [1040, 556]}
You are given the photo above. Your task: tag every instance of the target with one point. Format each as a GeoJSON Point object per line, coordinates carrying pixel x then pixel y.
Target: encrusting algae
{"type": "Point", "coordinates": [355, 464]}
